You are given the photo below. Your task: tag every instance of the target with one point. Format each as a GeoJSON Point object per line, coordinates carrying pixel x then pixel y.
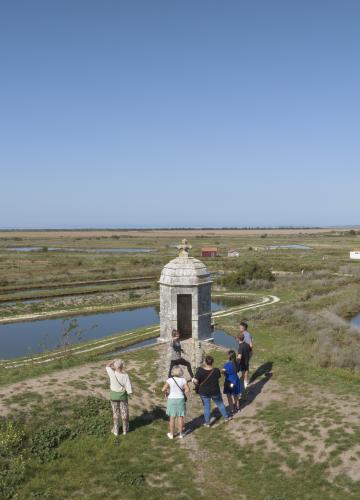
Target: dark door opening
{"type": "Point", "coordinates": [184, 315]}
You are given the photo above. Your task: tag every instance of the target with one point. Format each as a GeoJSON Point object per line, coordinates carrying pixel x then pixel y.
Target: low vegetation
{"type": "Point", "coordinates": [298, 433]}
{"type": "Point", "coordinates": [248, 274]}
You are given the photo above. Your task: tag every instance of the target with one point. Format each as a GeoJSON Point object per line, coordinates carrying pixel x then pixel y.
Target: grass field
{"type": "Point", "coordinates": [298, 433]}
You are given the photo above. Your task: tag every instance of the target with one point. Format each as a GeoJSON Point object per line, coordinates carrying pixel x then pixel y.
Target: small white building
{"type": "Point", "coordinates": [233, 253]}
{"type": "Point", "coordinates": [355, 254]}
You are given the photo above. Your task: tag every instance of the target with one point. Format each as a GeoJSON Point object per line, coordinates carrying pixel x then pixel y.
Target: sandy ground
{"type": "Point", "coordinates": [309, 438]}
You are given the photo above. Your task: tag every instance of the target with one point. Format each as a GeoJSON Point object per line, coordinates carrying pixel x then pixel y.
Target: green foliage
{"type": "Point", "coordinates": [12, 463]}
{"type": "Point", "coordinates": [91, 407]}
{"type": "Point", "coordinates": [248, 271]}
{"type": "Point", "coordinates": [133, 295]}
{"type": "Point", "coordinates": [92, 417]}
{"type": "Point", "coordinates": [12, 471]}
{"type": "Point", "coordinates": [43, 444]}
{"type": "Point", "coordinates": [20, 446]}
{"type": "Point", "coordinates": [11, 437]}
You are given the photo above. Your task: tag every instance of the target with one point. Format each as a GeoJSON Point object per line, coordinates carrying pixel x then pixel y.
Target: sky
{"type": "Point", "coordinates": [179, 113]}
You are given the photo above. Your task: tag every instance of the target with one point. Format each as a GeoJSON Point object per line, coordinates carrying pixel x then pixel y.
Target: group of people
{"type": "Point", "coordinates": [206, 382]}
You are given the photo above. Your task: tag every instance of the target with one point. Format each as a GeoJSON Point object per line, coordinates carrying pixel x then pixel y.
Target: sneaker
{"type": "Point", "coordinates": [124, 433]}
{"type": "Point", "coordinates": [115, 432]}
{"type": "Point", "coordinates": [181, 435]}
{"type": "Point", "coordinates": [207, 425]}
{"type": "Point", "coordinates": [170, 436]}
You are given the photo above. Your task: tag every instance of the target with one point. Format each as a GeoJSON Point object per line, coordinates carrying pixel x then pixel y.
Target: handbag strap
{"type": "Point", "coordinates": [118, 381]}
{"type": "Point", "coordinates": [207, 378]}
{"type": "Point", "coordinates": [181, 389]}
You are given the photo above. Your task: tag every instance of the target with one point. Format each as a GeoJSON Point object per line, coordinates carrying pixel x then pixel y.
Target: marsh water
{"type": "Point", "coordinates": [220, 337]}
{"type": "Point", "coordinates": [294, 247]}
{"type": "Point", "coordinates": [356, 321]}
{"type": "Point", "coordinates": [73, 249]}
{"type": "Point", "coordinates": [31, 337]}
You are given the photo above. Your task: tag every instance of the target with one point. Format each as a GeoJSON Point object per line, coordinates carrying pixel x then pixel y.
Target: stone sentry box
{"type": "Point", "coordinates": [185, 297]}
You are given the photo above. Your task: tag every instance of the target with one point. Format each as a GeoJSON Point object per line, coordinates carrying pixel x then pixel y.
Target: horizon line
{"type": "Point", "coordinates": [173, 228]}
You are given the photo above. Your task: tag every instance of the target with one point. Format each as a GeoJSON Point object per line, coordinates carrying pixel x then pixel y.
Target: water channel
{"type": "Point", "coordinates": [294, 246]}
{"type": "Point", "coordinates": [30, 337]}
{"type": "Point", "coordinates": [356, 321]}
{"type": "Point", "coordinates": [73, 249]}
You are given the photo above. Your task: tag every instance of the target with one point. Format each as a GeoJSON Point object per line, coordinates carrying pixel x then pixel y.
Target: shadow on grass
{"type": "Point", "coordinates": [147, 418]}
{"type": "Point", "coordinates": [254, 390]}
{"type": "Point", "coordinates": [194, 424]}
{"type": "Point", "coordinates": [264, 369]}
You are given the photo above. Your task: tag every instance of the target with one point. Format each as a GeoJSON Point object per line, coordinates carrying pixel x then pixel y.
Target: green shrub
{"type": "Point", "coordinates": [43, 444]}
{"type": "Point", "coordinates": [12, 471]}
{"type": "Point", "coordinates": [93, 417]}
{"type": "Point", "coordinates": [12, 463]}
{"type": "Point", "coordinates": [91, 407]}
{"type": "Point", "coordinates": [248, 271]}
{"type": "Point", "coordinates": [11, 438]}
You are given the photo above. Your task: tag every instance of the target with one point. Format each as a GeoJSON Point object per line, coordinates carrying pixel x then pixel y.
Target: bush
{"type": "Point", "coordinates": [44, 443]}
{"type": "Point", "coordinates": [93, 417]}
{"type": "Point", "coordinates": [334, 342]}
{"type": "Point", "coordinates": [12, 464]}
{"type": "Point", "coordinates": [246, 272]}
{"type": "Point", "coordinates": [19, 445]}
{"type": "Point", "coordinates": [11, 438]}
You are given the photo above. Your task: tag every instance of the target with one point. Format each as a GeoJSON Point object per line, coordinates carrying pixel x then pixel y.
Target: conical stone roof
{"type": "Point", "coordinates": [184, 271]}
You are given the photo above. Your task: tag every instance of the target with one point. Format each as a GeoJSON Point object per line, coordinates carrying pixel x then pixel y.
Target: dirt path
{"type": "Point", "coordinates": [311, 433]}
{"type": "Point", "coordinates": [87, 380]}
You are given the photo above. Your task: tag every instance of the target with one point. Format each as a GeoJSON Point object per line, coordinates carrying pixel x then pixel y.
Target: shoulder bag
{"type": "Point", "coordinates": [181, 389]}
{"type": "Point", "coordinates": [118, 381]}
{"type": "Point", "coordinates": [203, 382]}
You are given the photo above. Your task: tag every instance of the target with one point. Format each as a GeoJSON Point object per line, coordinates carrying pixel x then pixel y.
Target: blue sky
{"type": "Point", "coordinates": [159, 113]}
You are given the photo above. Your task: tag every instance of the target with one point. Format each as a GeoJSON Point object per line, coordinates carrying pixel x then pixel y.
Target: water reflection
{"type": "Point", "coordinates": [220, 337]}
{"type": "Point", "coordinates": [295, 246]}
{"type": "Point", "coordinates": [356, 321]}
{"type": "Point", "coordinates": [30, 337]}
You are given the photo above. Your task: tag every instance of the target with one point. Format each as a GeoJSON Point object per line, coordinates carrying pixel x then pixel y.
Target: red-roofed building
{"type": "Point", "coordinates": [209, 252]}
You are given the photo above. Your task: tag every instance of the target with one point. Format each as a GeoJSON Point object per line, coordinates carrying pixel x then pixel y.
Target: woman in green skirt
{"type": "Point", "coordinates": [175, 388]}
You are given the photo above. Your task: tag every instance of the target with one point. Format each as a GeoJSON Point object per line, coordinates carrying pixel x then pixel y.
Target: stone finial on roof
{"type": "Point", "coordinates": [184, 248]}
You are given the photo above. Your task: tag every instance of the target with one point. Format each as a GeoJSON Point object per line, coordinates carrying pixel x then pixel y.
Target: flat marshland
{"type": "Point", "coordinates": [298, 433]}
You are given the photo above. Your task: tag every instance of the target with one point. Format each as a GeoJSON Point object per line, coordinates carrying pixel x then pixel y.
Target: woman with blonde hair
{"type": "Point", "coordinates": [176, 389]}
{"type": "Point", "coordinates": [120, 388]}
